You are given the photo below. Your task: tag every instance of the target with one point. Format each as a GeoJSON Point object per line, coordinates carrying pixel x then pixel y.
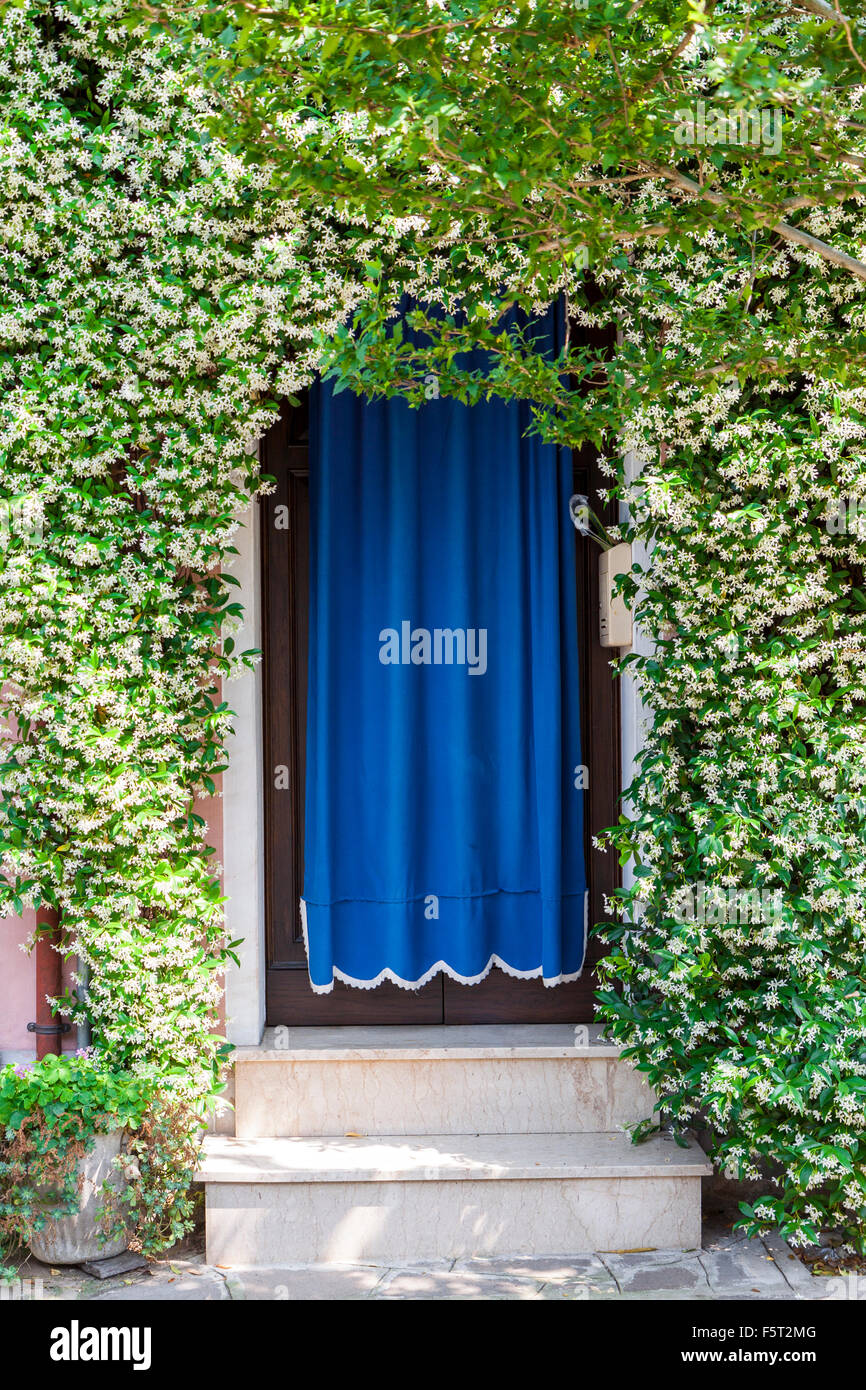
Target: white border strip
{"type": "Point", "coordinates": [243, 809]}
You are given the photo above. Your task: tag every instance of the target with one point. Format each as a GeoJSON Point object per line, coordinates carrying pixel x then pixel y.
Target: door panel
{"type": "Point", "coordinates": [285, 587]}
{"type": "Point", "coordinates": [503, 999]}
{"type": "Point", "coordinates": [290, 1000]}
{"type": "Point", "coordinates": [285, 560]}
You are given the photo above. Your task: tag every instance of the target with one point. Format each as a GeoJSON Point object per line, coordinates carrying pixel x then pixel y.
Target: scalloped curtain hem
{"type": "Point", "coordinates": [441, 967]}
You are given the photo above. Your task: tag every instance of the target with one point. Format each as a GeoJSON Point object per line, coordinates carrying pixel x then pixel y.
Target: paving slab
{"type": "Point", "coordinates": [704, 1295]}
{"type": "Point", "coordinates": [455, 1284]}
{"type": "Point", "coordinates": [743, 1268]}
{"type": "Point", "coordinates": [657, 1271]}
{"type": "Point", "coordinates": [729, 1267]}
{"type": "Point", "coordinates": [579, 1292]}
{"type": "Point", "coordinates": [801, 1282]}
{"type": "Point", "coordinates": [304, 1284]}
{"type": "Point", "coordinates": [572, 1269]}
{"type": "Point", "coordinates": [761, 1297]}
{"type": "Point", "coordinates": [843, 1288]}
{"type": "Point", "coordinates": [209, 1286]}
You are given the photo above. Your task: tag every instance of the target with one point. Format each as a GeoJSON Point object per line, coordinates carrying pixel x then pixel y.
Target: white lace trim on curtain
{"type": "Point", "coordinates": [441, 967]}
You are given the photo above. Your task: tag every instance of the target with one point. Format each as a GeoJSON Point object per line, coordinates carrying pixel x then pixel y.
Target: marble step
{"type": "Point", "coordinates": [489, 1079]}
{"type": "Point", "coordinates": [411, 1198]}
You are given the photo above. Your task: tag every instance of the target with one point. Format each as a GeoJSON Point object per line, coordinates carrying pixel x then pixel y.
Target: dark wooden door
{"type": "Point", "coordinates": [285, 580]}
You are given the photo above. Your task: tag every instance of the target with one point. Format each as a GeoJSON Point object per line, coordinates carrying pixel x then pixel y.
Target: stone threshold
{"type": "Point", "coordinates": [447, 1158]}
{"type": "Point", "coordinates": [432, 1042]}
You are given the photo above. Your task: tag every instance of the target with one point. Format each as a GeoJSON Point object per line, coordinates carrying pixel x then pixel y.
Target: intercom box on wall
{"type": "Point", "coordinates": [614, 619]}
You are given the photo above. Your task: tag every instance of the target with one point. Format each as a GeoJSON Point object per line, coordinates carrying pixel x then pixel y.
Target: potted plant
{"type": "Point", "coordinates": [64, 1122]}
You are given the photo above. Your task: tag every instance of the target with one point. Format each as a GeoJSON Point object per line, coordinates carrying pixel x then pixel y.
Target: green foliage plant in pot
{"type": "Point", "coordinates": [67, 1158]}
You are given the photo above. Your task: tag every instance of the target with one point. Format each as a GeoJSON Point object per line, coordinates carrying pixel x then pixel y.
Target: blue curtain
{"type": "Point", "coordinates": [444, 830]}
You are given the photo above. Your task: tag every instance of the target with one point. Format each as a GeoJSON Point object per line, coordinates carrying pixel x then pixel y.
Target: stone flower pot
{"type": "Point", "coordinates": [67, 1240]}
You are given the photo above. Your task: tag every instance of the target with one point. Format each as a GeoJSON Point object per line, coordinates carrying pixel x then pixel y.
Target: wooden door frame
{"type": "Point", "coordinates": [289, 998]}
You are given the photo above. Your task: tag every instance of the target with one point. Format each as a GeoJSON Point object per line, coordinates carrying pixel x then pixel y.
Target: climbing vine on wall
{"type": "Point", "coordinates": [159, 296]}
{"type": "Point", "coordinates": [740, 961]}
{"type": "Point", "coordinates": [156, 305]}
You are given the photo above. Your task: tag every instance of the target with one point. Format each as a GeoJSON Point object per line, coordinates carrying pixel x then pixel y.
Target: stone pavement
{"type": "Point", "coordinates": [727, 1267]}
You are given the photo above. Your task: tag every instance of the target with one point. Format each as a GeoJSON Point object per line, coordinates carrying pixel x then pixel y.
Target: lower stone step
{"type": "Point", "coordinates": [404, 1199]}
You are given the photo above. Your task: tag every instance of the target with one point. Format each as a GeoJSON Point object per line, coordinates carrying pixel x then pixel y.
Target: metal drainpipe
{"type": "Point", "coordinates": [49, 982]}
{"type": "Point", "coordinates": [83, 1033]}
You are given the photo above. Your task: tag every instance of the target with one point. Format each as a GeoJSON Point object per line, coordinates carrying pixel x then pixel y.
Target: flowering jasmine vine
{"type": "Point", "coordinates": [156, 302]}
{"type": "Point", "coordinates": [161, 291]}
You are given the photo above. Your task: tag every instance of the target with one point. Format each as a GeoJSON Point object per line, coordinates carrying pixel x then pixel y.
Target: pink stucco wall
{"type": "Point", "coordinates": [17, 985]}
{"type": "Point", "coordinates": [18, 971]}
